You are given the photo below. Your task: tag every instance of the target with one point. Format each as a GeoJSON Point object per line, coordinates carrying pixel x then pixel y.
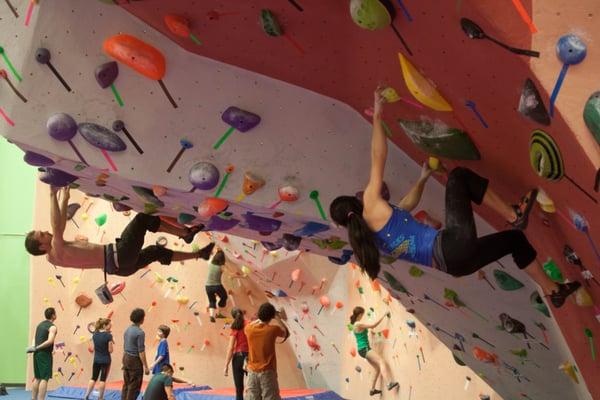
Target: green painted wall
{"type": "Point", "coordinates": [17, 190]}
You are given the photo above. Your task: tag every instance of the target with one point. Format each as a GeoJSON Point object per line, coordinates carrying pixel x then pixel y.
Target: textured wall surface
{"type": "Point", "coordinates": [318, 143]}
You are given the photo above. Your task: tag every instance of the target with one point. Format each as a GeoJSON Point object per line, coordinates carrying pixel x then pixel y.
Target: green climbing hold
{"type": "Point", "coordinates": [506, 281]}
{"type": "Point", "coordinates": [101, 219]}
{"type": "Point", "coordinates": [370, 14]}
{"type": "Point", "coordinates": [388, 260]}
{"type": "Point", "coordinates": [451, 295]}
{"type": "Point", "coordinates": [439, 140]}
{"type": "Point", "coordinates": [394, 283]}
{"type": "Point", "coordinates": [80, 167]}
{"type": "Point", "coordinates": [458, 360]}
{"type": "Point", "coordinates": [415, 271]}
{"type": "Point", "coordinates": [519, 352]}
{"type": "Point", "coordinates": [150, 208]}
{"type": "Point", "coordinates": [269, 23]}
{"type": "Point", "coordinates": [148, 196]}
{"type": "Point", "coordinates": [185, 218]}
{"type": "Point", "coordinates": [538, 304]}
{"type": "Point", "coordinates": [74, 186]}
{"type": "Point", "coordinates": [552, 270]}
{"type": "Point", "coordinates": [591, 115]}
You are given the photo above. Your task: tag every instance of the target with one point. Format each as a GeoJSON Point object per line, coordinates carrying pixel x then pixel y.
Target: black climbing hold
{"type": "Point", "coordinates": [531, 104]}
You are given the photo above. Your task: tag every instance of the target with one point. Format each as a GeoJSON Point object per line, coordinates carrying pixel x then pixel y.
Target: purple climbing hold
{"type": "Point", "coordinates": [61, 127]}
{"type": "Point", "coordinates": [216, 223]}
{"type": "Point", "coordinates": [271, 246]}
{"type": "Point", "coordinates": [106, 74]}
{"type": "Point", "coordinates": [72, 210]}
{"type": "Point", "coordinates": [260, 224]}
{"type": "Point", "coordinates": [204, 176]}
{"type": "Point", "coordinates": [56, 177]}
{"type": "Point", "coordinates": [101, 137]}
{"type": "Point", "coordinates": [120, 207]}
{"type": "Point", "coordinates": [240, 119]}
{"type": "Point", "coordinates": [37, 160]}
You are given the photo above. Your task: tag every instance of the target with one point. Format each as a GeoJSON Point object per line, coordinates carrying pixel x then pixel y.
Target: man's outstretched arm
{"type": "Point", "coordinates": [58, 218]}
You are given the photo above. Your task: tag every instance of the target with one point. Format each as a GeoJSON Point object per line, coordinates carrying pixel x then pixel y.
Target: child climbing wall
{"type": "Point", "coordinates": [171, 295]}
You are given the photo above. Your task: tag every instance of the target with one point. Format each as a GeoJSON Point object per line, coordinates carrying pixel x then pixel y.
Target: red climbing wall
{"type": "Point", "coordinates": [340, 60]}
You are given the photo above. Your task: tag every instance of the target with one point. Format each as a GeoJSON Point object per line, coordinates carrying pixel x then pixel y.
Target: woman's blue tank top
{"type": "Point", "coordinates": [405, 238]}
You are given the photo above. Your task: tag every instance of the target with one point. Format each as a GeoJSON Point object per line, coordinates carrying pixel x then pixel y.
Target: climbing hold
{"type": "Point", "coordinates": [421, 88]}
{"type": "Point", "coordinates": [552, 270]}
{"type": "Point", "coordinates": [394, 283]}
{"type": "Point", "coordinates": [228, 171]}
{"type": "Point", "coordinates": [286, 193]}
{"type": "Point", "coordinates": [150, 208]}
{"type": "Point", "coordinates": [506, 281]}
{"type": "Point", "coordinates": [159, 191]}
{"type": "Point", "coordinates": [252, 183]}
{"type": "Point", "coordinates": [184, 218]}
{"type": "Point", "coordinates": [439, 140]}
{"type": "Point", "coordinates": [56, 177]}
{"type": "Point", "coordinates": [140, 56]}
{"type": "Point", "coordinates": [370, 14]}
{"type": "Point", "coordinates": [415, 271]}
{"type": "Point", "coordinates": [180, 26]}
{"type": "Point", "coordinates": [120, 207]}
{"type": "Point", "coordinates": [544, 156]}
{"type": "Point", "coordinates": [423, 217]}
{"type": "Point", "coordinates": [569, 369]}
{"type": "Point", "coordinates": [545, 202]}
{"type": "Point", "coordinates": [119, 126]}
{"type": "Point", "coordinates": [591, 115]}
{"type": "Point", "coordinates": [63, 127]}
{"type": "Point", "coordinates": [83, 300]}
{"type": "Point", "coordinates": [269, 23]}
{"type": "Point", "coordinates": [531, 104]}
{"type": "Point", "coordinates": [474, 31]}
{"type": "Point", "coordinates": [42, 56]}
{"type": "Point", "coordinates": [571, 50]}
{"type": "Point", "coordinates": [101, 219]}
{"type": "Point", "coordinates": [484, 356]}
{"type": "Point", "coordinates": [238, 119]}
{"type": "Point", "coordinates": [203, 176]}
{"type": "Point", "coordinates": [263, 225]}
{"type": "Point", "coordinates": [583, 298]}
{"type": "Point", "coordinates": [290, 242]}
{"type": "Point", "coordinates": [37, 160]}
{"type": "Point", "coordinates": [106, 74]}
{"type": "Point", "coordinates": [390, 95]}
{"type": "Point", "coordinates": [212, 206]}
{"type": "Point", "coordinates": [147, 196]}
{"type": "Point", "coordinates": [314, 195]}
{"type": "Point", "coordinates": [101, 137]}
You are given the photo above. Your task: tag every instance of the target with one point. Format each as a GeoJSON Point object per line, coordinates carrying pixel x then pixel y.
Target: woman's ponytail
{"type": "Point", "coordinates": [355, 313]}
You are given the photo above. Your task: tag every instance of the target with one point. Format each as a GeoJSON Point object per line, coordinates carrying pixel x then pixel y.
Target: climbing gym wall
{"type": "Point", "coordinates": [171, 295]}
{"type": "Point", "coordinates": [222, 137]}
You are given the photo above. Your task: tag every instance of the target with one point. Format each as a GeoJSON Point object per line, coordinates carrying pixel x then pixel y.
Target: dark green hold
{"type": "Point", "coordinates": [269, 23]}
{"type": "Point", "coordinates": [538, 304]}
{"type": "Point", "coordinates": [394, 283]}
{"type": "Point", "coordinates": [506, 281]}
{"type": "Point", "coordinates": [591, 115]}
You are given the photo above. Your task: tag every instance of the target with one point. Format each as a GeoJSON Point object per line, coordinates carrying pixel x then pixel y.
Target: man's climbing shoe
{"type": "Point", "coordinates": [523, 209]}
{"type": "Point", "coordinates": [220, 316]}
{"type": "Point", "coordinates": [205, 251]}
{"type": "Point", "coordinates": [558, 297]}
{"type": "Point", "coordinates": [189, 238]}
{"type": "Point", "coordinates": [213, 320]}
{"type": "Point", "coordinates": [374, 392]}
{"type": "Point", "coordinates": [392, 385]}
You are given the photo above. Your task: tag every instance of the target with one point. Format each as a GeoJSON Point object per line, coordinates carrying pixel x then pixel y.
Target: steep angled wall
{"type": "Point", "coordinates": [287, 145]}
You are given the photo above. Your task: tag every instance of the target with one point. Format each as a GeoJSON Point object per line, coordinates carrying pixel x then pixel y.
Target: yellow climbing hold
{"type": "Point", "coordinates": [545, 202]}
{"type": "Point", "coordinates": [583, 298]}
{"type": "Point", "coordinates": [434, 163]}
{"type": "Point", "coordinates": [390, 95]}
{"type": "Point", "coordinates": [569, 369]}
{"type": "Point", "coordinates": [421, 88]}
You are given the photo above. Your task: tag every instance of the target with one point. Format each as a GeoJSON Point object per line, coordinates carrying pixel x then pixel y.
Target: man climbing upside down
{"type": "Point", "coordinates": [124, 258]}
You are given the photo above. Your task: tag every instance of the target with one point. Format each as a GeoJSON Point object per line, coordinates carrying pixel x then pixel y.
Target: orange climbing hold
{"type": "Point", "coordinates": [178, 25]}
{"type": "Point", "coordinates": [484, 356]}
{"type": "Point", "coordinates": [139, 55]}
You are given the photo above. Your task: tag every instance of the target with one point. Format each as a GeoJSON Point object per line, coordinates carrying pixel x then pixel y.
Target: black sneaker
{"type": "Point", "coordinates": [558, 297]}
{"type": "Point", "coordinates": [374, 392]}
{"type": "Point", "coordinates": [189, 238]}
{"type": "Point", "coordinates": [3, 391]}
{"type": "Point", "coordinates": [213, 320]}
{"type": "Point", "coordinates": [205, 251]}
{"type": "Point", "coordinates": [523, 214]}
{"type": "Point", "coordinates": [392, 385]}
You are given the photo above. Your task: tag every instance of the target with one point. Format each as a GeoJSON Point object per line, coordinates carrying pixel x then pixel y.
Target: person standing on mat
{"type": "Point", "coordinates": [237, 352]}
{"type": "Point", "coordinates": [262, 363]}
{"type": "Point", "coordinates": [456, 250]}
{"type": "Point", "coordinates": [123, 258]}
{"type": "Point", "coordinates": [361, 333]}
{"type": "Point", "coordinates": [135, 364]}
{"type": "Point", "coordinates": [162, 352]}
{"type": "Point", "coordinates": [103, 347]}
{"type": "Point", "coordinates": [42, 347]}
{"type": "Point", "coordinates": [214, 287]}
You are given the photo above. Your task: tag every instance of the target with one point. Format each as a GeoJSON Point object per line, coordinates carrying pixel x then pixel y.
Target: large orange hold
{"type": "Point", "coordinates": [137, 54]}
{"type": "Point", "coordinates": [178, 25]}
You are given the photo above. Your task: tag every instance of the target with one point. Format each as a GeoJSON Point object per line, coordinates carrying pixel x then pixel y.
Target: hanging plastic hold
{"type": "Point", "coordinates": [162, 241]}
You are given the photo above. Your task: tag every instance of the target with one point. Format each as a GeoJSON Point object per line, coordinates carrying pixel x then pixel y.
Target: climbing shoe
{"type": "Point", "coordinates": [373, 392]}
{"type": "Point", "coordinates": [558, 297]}
{"type": "Point", "coordinates": [189, 238]}
{"type": "Point", "coordinates": [220, 316]}
{"type": "Point", "coordinates": [213, 320]}
{"type": "Point", "coordinates": [523, 209]}
{"type": "Point", "coordinates": [205, 251]}
{"type": "Point", "coordinates": [392, 385]}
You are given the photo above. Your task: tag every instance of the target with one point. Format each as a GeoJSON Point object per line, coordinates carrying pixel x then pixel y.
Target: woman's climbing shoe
{"type": "Point", "coordinates": [373, 392]}
{"type": "Point", "coordinates": [206, 250]}
{"type": "Point", "coordinates": [392, 385]}
{"type": "Point", "coordinates": [189, 238]}
{"type": "Point", "coordinates": [558, 297]}
{"type": "Point", "coordinates": [523, 209]}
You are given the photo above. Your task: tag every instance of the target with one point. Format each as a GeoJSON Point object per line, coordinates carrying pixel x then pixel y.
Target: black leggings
{"type": "Point", "coordinates": [130, 253]}
{"type": "Point", "coordinates": [100, 371]}
{"type": "Point", "coordinates": [237, 366]}
{"type": "Point", "coordinates": [465, 253]}
{"type": "Point", "coordinates": [212, 292]}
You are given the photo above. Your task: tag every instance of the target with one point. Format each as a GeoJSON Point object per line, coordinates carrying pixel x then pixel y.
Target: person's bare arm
{"type": "Point", "coordinates": [413, 197]}
{"type": "Point", "coordinates": [111, 346]}
{"type": "Point", "coordinates": [378, 151]}
{"type": "Point", "coordinates": [144, 362]}
{"type": "Point", "coordinates": [50, 341]}
{"type": "Point", "coordinates": [179, 380]}
{"type": "Point", "coordinates": [56, 219]}
{"type": "Point", "coordinates": [230, 348]}
{"type": "Point", "coordinates": [372, 325]}
{"type": "Point", "coordinates": [64, 205]}
{"type": "Point", "coordinates": [283, 326]}
{"type": "Point", "coordinates": [169, 391]}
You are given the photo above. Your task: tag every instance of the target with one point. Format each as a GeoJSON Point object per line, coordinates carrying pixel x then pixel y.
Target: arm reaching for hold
{"type": "Point", "coordinates": [413, 197]}
{"type": "Point", "coordinates": [378, 151]}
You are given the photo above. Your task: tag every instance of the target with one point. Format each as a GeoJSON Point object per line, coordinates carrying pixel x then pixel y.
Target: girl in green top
{"type": "Point", "coordinates": [361, 332]}
{"type": "Point", "coordinates": [214, 287]}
